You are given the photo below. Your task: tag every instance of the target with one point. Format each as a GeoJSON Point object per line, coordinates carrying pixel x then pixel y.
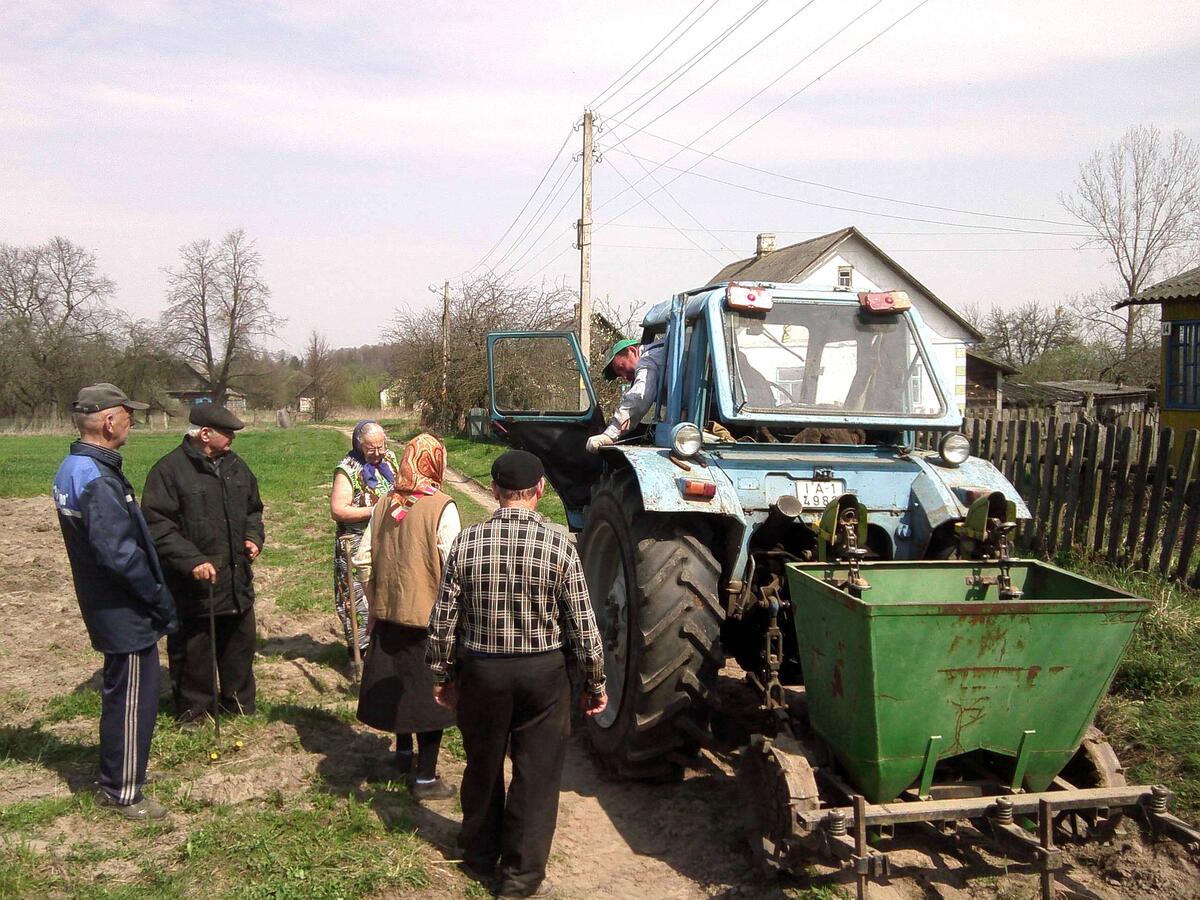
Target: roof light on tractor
{"type": "Point", "coordinates": [884, 303]}
{"type": "Point", "coordinates": [748, 298]}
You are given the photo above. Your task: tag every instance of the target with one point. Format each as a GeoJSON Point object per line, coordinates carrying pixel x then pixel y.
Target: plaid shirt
{"type": "Point", "coordinates": [512, 586]}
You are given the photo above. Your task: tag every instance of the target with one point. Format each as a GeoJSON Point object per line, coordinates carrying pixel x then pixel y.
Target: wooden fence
{"type": "Point", "coordinates": [1112, 491]}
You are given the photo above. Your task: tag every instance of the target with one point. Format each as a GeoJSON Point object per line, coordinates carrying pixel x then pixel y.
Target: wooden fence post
{"type": "Point", "coordinates": [1162, 466]}
{"type": "Point", "coordinates": [1046, 488]}
{"type": "Point", "coordinates": [1137, 503]}
{"type": "Point", "coordinates": [1178, 494]}
{"type": "Point", "coordinates": [1104, 495]}
{"type": "Point", "coordinates": [1120, 483]}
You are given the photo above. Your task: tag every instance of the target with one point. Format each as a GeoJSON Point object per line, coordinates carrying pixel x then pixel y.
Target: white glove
{"type": "Point", "coordinates": [597, 441]}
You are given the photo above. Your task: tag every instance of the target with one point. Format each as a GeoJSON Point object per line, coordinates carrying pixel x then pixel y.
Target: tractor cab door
{"type": "Point", "coordinates": [541, 400]}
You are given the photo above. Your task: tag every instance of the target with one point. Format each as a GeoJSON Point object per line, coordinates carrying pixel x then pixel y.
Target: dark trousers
{"type": "Point", "coordinates": [128, 708]}
{"type": "Point", "coordinates": [190, 655]}
{"type": "Point", "coordinates": [524, 700]}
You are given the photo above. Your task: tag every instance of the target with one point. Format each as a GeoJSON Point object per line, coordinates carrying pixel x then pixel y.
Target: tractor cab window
{"type": "Point", "coordinates": [808, 358]}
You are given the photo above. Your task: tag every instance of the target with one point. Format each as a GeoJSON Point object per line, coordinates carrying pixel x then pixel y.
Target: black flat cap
{"type": "Point", "coordinates": [516, 470]}
{"type": "Point", "coordinates": [210, 415]}
{"type": "Point", "coordinates": [96, 397]}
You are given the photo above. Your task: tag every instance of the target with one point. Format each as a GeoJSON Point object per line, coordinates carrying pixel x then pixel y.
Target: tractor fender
{"type": "Point", "coordinates": [942, 493]}
{"type": "Point", "coordinates": [661, 482]}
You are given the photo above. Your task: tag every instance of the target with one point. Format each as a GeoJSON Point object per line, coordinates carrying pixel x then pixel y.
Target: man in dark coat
{"type": "Point", "coordinates": [122, 593]}
{"type": "Point", "coordinates": [202, 504]}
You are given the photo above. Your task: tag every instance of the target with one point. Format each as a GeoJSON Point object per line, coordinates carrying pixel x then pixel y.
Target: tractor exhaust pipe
{"type": "Point", "coordinates": [784, 513]}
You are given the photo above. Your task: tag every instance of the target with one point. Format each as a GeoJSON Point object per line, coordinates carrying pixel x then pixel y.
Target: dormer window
{"type": "Point", "coordinates": [845, 278]}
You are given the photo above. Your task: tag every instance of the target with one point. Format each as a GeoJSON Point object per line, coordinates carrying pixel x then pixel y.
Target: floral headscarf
{"type": "Point", "coordinates": [422, 471]}
{"type": "Point", "coordinates": [370, 471]}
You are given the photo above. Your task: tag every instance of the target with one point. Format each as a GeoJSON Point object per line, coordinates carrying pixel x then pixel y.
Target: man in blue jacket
{"type": "Point", "coordinates": [122, 594]}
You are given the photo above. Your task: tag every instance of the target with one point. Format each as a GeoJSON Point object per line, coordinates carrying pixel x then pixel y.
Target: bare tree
{"type": "Point", "coordinates": [1142, 200]}
{"type": "Point", "coordinates": [218, 308]}
{"type": "Point", "coordinates": [326, 381]}
{"type": "Point", "coordinates": [476, 308]}
{"type": "Point", "coordinates": [53, 311]}
{"type": "Point", "coordinates": [1021, 334]}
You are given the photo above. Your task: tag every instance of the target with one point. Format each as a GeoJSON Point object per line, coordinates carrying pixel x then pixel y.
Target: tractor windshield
{"type": "Point", "coordinates": [816, 358]}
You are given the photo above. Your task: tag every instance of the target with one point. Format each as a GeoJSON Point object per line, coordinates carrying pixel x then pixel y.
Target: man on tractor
{"type": "Point", "coordinates": [641, 366]}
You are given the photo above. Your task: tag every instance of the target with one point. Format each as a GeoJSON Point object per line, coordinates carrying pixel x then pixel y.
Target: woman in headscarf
{"type": "Point", "coordinates": [363, 476]}
{"type": "Point", "coordinates": [410, 533]}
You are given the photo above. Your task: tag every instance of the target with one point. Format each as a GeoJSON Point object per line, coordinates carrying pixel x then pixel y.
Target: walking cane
{"type": "Point", "coordinates": [351, 606]}
{"type": "Point", "coordinates": [212, 642]}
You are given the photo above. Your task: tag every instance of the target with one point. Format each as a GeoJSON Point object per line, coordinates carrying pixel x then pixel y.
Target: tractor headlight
{"type": "Point", "coordinates": [685, 440]}
{"type": "Point", "coordinates": [955, 449]}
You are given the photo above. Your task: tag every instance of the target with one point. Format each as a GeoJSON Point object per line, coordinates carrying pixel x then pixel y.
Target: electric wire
{"type": "Point", "coordinates": [778, 29]}
{"type": "Point", "coordinates": [820, 46]}
{"type": "Point", "coordinates": [842, 190]}
{"type": "Point", "coordinates": [665, 218]}
{"type": "Point", "coordinates": [551, 197]}
{"type": "Point", "coordinates": [806, 202]}
{"type": "Point", "coordinates": [537, 188]}
{"type": "Point", "coordinates": [797, 93]}
{"type": "Point", "coordinates": [597, 99]}
{"type": "Point", "coordinates": [550, 222]}
{"type": "Point", "coordinates": [894, 250]}
{"type": "Point", "coordinates": [688, 64]}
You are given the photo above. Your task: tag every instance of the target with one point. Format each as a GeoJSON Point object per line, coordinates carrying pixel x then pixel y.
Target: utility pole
{"type": "Point", "coordinates": [584, 240]}
{"type": "Point", "coordinates": [445, 338]}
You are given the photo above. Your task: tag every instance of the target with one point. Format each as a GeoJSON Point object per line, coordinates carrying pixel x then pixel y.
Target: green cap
{"type": "Point", "coordinates": [96, 397]}
{"type": "Point", "coordinates": [616, 348]}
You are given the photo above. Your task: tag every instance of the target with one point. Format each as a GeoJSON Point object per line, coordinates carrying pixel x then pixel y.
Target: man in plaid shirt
{"type": "Point", "coordinates": [511, 590]}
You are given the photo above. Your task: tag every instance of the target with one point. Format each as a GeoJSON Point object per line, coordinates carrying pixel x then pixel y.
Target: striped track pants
{"type": "Point", "coordinates": [129, 706]}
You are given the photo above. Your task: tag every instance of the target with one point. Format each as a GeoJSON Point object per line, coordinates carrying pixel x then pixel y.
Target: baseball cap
{"type": "Point", "coordinates": [616, 348]}
{"type": "Point", "coordinates": [96, 397]}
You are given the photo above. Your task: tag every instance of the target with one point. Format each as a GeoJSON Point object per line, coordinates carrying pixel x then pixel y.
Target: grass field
{"type": "Point", "coordinates": [324, 838]}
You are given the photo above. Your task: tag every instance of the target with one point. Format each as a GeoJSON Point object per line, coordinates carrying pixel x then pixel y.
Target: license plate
{"type": "Point", "coordinates": [817, 494]}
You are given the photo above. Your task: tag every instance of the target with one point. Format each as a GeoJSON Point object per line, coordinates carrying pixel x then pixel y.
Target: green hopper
{"type": "Point", "coordinates": [929, 663]}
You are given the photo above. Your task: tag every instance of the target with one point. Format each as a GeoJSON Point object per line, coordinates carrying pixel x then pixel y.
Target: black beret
{"type": "Point", "coordinates": [516, 470]}
{"type": "Point", "coordinates": [210, 415]}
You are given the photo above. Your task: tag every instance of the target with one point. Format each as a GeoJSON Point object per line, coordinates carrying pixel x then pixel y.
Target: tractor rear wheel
{"type": "Point", "coordinates": [653, 584]}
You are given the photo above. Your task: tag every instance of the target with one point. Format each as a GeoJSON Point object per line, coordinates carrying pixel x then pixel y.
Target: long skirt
{"type": "Point", "coordinates": [341, 597]}
{"type": "Point", "coordinates": [396, 694]}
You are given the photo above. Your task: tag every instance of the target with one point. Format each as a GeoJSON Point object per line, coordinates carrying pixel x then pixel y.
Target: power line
{"type": "Point", "coordinates": [797, 93]}
{"type": "Point", "coordinates": [841, 190]}
{"type": "Point", "coordinates": [849, 209]}
{"type": "Point", "coordinates": [596, 100]}
{"type": "Point", "coordinates": [521, 260]}
{"type": "Point", "coordinates": [737, 59]}
{"type": "Point", "coordinates": [779, 231]}
{"type": "Point", "coordinates": [665, 218]}
{"type": "Point", "coordinates": [680, 70]}
{"type": "Point", "coordinates": [537, 188]}
{"type": "Point", "coordinates": [749, 99]}
{"type": "Point", "coordinates": [551, 196]}
{"type": "Point", "coordinates": [894, 250]}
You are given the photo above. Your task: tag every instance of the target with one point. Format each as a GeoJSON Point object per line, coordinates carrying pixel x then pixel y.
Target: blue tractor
{"type": "Point", "coordinates": [783, 432]}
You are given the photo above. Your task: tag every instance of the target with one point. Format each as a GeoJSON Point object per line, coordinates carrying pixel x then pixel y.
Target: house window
{"type": "Point", "coordinates": [1183, 366]}
{"type": "Point", "coordinates": [845, 277]}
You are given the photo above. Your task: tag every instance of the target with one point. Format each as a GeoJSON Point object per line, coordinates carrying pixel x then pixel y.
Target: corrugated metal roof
{"type": "Point", "coordinates": [991, 361]}
{"type": "Point", "coordinates": [789, 264]}
{"type": "Point", "coordinates": [1184, 286]}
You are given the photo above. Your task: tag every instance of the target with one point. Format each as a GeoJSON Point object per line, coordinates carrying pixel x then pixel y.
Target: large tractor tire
{"type": "Point", "coordinates": [653, 584]}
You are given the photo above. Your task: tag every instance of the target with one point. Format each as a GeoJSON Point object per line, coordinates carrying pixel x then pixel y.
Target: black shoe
{"type": "Point", "coordinates": [545, 889]}
{"type": "Point", "coordinates": [431, 790]}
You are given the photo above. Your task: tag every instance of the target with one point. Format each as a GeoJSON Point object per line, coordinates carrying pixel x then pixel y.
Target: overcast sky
{"type": "Point", "coordinates": [374, 149]}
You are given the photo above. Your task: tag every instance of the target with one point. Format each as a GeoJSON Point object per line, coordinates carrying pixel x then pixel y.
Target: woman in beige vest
{"type": "Point", "coordinates": [410, 533]}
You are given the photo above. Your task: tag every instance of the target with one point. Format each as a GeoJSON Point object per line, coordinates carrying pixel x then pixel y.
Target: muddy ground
{"type": "Point", "coordinates": [614, 839]}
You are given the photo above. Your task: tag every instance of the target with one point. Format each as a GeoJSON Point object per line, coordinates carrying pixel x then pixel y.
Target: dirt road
{"type": "Point", "coordinates": [614, 839]}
